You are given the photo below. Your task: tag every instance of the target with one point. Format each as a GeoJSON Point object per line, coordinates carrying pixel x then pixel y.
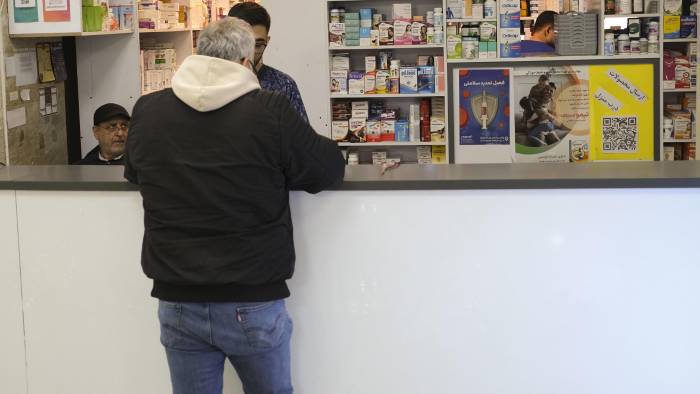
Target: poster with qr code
{"type": "Point", "coordinates": [622, 112]}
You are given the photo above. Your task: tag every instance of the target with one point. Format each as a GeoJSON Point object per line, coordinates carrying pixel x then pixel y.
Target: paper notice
{"type": "Point", "coordinates": [626, 85]}
{"type": "Point", "coordinates": [10, 66]}
{"type": "Point", "coordinates": [608, 99]}
{"type": "Point", "coordinates": [56, 5]}
{"type": "Point", "coordinates": [26, 68]}
{"type": "Point", "coordinates": [14, 96]}
{"type": "Point", "coordinates": [16, 117]}
{"type": "Point", "coordinates": [25, 95]}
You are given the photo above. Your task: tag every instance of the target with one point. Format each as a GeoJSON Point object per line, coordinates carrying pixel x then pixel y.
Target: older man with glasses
{"type": "Point", "coordinates": [111, 127]}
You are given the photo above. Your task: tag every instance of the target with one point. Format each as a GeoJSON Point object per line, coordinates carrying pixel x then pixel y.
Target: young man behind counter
{"type": "Point", "coordinates": [270, 78]}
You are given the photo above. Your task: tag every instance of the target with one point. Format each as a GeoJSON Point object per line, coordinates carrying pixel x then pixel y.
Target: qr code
{"type": "Point", "coordinates": [620, 134]}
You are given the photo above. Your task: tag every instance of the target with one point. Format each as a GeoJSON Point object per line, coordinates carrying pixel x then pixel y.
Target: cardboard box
{"type": "Point", "coordinates": [388, 130]}
{"type": "Point", "coordinates": [339, 82]}
{"type": "Point", "coordinates": [356, 82]}
{"type": "Point", "coordinates": [339, 130]}
{"type": "Point", "coordinates": [408, 80]}
{"type": "Point", "coordinates": [336, 34]}
{"type": "Point", "coordinates": [386, 36]}
{"type": "Point", "coordinates": [672, 26]}
{"type": "Point", "coordinates": [510, 42]}
{"type": "Point", "coordinates": [402, 33]}
{"type": "Point", "coordinates": [509, 14]}
{"type": "Point", "coordinates": [374, 131]}
{"type": "Point", "coordinates": [402, 11]}
{"type": "Point", "coordinates": [426, 79]}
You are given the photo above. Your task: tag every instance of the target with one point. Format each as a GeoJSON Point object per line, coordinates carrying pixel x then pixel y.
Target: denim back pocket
{"type": "Point", "coordinates": [170, 317]}
{"type": "Point", "coordinates": [265, 324]}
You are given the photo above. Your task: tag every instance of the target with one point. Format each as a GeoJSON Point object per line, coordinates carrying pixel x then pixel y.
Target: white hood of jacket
{"type": "Point", "coordinates": [208, 83]}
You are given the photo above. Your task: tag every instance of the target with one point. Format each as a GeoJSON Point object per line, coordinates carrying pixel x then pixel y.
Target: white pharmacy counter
{"type": "Point", "coordinates": [493, 279]}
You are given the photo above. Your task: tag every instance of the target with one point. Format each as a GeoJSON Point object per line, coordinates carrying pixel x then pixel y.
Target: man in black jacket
{"type": "Point", "coordinates": [111, 128]}
{"type": "Point", "coordinates": [215, 158]}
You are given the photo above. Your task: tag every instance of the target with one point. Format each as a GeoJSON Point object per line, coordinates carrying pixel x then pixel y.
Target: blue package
{"type": "Point", "coordinates": [401, 128]}
{"type": "Point", "coordinates": [365, 13]}
{"type": "Point", "coordinates": [426, 79]}
{"type": "Point", "coordinates": [365, 32]}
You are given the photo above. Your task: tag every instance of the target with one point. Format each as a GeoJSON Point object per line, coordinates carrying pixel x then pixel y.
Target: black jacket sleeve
{"type": "Point", "coordinates": [310, 161]}
{"type": "Point", "coordinates": [129, 171]}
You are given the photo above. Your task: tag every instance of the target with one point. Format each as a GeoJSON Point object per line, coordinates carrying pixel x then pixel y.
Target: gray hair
{"type": "Point", "coordinates": [230, 39]}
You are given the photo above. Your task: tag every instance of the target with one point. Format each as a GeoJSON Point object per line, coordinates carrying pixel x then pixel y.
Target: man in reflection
{"type": "Point", "coordinates": [542, 40]}
{"type": "Point", "coordinates": [111, 128]}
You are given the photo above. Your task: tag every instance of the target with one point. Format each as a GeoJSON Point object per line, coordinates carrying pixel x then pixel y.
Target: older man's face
{"type": "Point", "coordinates": [112, 136]}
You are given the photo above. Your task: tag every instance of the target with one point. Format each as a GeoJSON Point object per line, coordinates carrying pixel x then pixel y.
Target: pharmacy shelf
{"type": "Point", "coordinates": [385, 47]}
{"type": "Point", "coordinates": [105, 33]}
{"type": "Point", "coordinates": [680, 40]}
{"type": "Point", "coordinates": [672, 141]}
{"type": "Point", "coordinates": [642, 56]}
{"type": "Point", "coordinates": [554, 59]}
{"type": "Point", "coordinates": [471, 20]}
{"type": "Point", "coordinates": [183, 29]}
{"type": "Point", "coordinates": [373, 96]}
{"type": "Point", "coordinates": [73, 34]}
{"type": "Point", "coordinates": [632, 15]}
{"type": "Point", "coordinates": [688, 90]}
{"type": "Point", "coordinates": [390, 143]}
{"type": "Point", "coordinates": [528, 18]}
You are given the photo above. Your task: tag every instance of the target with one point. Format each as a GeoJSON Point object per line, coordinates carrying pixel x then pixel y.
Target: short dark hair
{"type": "Point", "coordinates": [543, 20]}
{"type": "Point", "coordinates": [253, 13]}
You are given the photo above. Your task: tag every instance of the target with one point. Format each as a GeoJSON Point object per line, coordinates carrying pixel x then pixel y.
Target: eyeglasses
{"type": "Point", "coordinates": [260, 45]}
{"type": "Point", "coordinates": [113, 127]}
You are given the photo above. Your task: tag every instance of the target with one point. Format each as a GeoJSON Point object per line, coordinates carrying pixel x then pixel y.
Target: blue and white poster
{"type": "Point", "coordinates": [484, 107]}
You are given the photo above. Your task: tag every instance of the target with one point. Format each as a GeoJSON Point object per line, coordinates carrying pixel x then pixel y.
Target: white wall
{"type": "Point", "coordinates": [539, 291]}
{"type": "Point", "coordinates": [12, 362]}
{"type": "Point", "coordinates": [299, 47]}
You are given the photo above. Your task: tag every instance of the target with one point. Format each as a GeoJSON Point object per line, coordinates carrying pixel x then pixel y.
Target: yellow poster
{"type": "Point", "coordinates": [622, 112]}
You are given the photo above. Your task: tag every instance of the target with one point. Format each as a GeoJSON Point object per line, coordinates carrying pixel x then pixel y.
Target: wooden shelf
{"type": "Point", "coordinates": [672, 141]}
{"type": "Point", "coordinates": [632, 16]}
{"type": "Point", "coordinates": [375, 96]}
{"type": "Point", "coordinates": [386, 47]}
{"type": "Point", "coordinates": [390, 143]}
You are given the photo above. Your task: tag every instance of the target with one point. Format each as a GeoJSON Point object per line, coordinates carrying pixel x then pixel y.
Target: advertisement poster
{"type": "Point", "coordinates": [484, 107]}
{"type": "Point", "coordinates": [552, 114]}
{"type": "Point", "coordinates": [25, 11]}
{"type": "Point", "coordinates": [56, 11]}
{"type": "Point", "coordinates": [622, 112]}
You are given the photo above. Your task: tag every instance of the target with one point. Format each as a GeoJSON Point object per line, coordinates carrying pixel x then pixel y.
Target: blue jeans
{"type": "Point", "coordinates": [199, 337]}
